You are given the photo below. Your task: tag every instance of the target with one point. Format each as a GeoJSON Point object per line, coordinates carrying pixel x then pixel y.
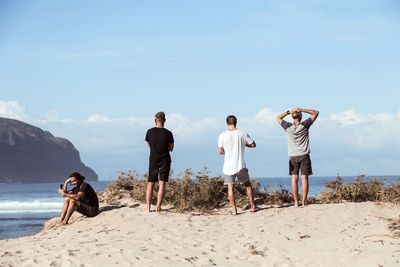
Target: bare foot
{"type": "Point", "coordinates": [158, 209]}
{"type": "Point", "coordinates": [61, 224]}
{"type": "Point", "coordinates": [234, 212]}
{"type": "Point", "coordinates": [255, 209]}
{"type": "Point", "coordinates": [304, 204]}
{"type": "Point", "coordinates": [296, 205]}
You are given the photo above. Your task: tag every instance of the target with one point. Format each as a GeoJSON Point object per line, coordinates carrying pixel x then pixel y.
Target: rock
{"type": "Point", "coordinates": [30, 155]}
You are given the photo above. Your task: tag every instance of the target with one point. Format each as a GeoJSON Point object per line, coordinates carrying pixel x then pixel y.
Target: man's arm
{"type": "Point", "coordinates": [170, 146]}
{"type": "Point", "coordinates": [64, 189]}
{"type": "Point", "coordinates": [252, 144]}
{"type": "Point", "coordinates": [314, 113]}
{"type": "Point", "coordinates": [221, 150]}
{"type": "Point", "coordinates": [72, 196]}
{"type": "Point", "coordinates": [280, 117]}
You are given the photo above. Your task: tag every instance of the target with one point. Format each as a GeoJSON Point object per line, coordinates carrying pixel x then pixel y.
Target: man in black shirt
{"type": "Point", "coordinates": [81, 198]}
{"type": "Point", "coordinates": [161, 142]}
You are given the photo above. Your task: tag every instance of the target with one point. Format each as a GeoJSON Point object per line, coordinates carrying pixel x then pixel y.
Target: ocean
{"type": "Point", "coordinates": [24, 208]}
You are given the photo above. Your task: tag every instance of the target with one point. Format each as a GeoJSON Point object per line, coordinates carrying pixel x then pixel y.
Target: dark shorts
{"type": "Point", "coordinates": [302, 163]}
{"type": "Point", "coordinates": [159, 172]}
{"type": "Point", "coordinates": [87, 210]}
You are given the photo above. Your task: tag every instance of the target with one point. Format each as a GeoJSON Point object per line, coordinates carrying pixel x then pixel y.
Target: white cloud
{"type": "Point", "coordinates": [364, 130]}
{"type": "Point", "coordinates": [12, 110]}
{"type": "Point", "coordinates": [122, 139]}
{"type": "Point", "coordinates": [267, 115]}
{"type": "Point", "coordinates": [349, 117]}
{"type": "Point", "coordinates": [98, 118]}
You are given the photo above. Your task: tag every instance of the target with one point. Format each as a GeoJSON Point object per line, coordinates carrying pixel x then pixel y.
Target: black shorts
{"type": "Point", "coordinates": [159, 172]}
{"type": "Point", "coordinates": [302, 163]}
{"type": "Point", "coordinates": [87, 210]}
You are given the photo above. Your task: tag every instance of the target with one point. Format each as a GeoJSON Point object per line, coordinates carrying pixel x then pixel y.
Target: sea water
{"type": "Point", "coordinates": [24, 208]}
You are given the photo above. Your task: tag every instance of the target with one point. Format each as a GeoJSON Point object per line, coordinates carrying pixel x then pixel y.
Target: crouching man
{"type": "Point", "coordinates": [82, 198]}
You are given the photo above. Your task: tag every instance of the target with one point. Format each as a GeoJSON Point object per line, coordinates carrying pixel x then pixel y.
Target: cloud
{"type": "Point", "coordinates": [369, 139]}
{"type": "Point", "coordinates": [364, 130]}
{"type": "Point", "coordinates": [12, 110]}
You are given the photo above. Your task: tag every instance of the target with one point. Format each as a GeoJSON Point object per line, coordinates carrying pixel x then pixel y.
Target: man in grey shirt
{"type": "Point", "coordinates": [298, 149]}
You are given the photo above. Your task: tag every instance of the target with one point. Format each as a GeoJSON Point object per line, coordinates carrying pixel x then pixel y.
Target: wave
{"type": "Point", "coordinates": [29, 206]}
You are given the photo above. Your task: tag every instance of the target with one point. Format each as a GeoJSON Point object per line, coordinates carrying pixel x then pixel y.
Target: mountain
{"type": "Point", "coordinates": [30, 155]}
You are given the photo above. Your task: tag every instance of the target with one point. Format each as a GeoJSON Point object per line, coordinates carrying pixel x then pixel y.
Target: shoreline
{"type": "Point", "coordinates": [319, 234]}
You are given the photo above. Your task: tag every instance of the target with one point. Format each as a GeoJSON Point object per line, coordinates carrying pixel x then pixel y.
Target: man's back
{"type": "Point", "coordinates": [298, 139]}
{"type": "Point", "coordinates": [159, 140]}
{"type": "Point", "coordinates": [234, 143]}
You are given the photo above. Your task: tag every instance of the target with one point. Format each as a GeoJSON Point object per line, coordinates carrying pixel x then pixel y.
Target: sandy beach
{"type": "Point", "coordinates": [346, 234]}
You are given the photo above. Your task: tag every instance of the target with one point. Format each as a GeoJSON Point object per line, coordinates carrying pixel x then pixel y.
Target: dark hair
{"type": "Point", "coordinates": [160, 116]}
{"type": "Point", "coordinates": [296, 115]}
{"type": "Point", "coordinates": [77, 175]}
{"type": "Point", "coordinates": [231, 120]}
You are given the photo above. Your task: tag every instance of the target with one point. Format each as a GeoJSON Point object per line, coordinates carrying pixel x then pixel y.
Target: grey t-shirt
{"type": "Point", "coordinates": [298, 142]}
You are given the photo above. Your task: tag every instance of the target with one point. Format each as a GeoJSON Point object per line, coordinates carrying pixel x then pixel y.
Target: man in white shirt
{"type": "Point", "coordinates": [232, 143]}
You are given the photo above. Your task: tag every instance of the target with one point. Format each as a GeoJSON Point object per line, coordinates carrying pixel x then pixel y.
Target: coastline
{"type": "Point", "coordinates": [342, 234]}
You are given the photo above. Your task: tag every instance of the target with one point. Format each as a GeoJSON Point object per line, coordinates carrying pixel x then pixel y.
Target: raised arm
{"type": "Point", "coordinates": [280, 117]}
{"type": "Point", "coordinates": [314, 113]}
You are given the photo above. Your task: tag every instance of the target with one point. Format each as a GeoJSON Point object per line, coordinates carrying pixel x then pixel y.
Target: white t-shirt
{"type": "Point", "coordinates": [234, 144]}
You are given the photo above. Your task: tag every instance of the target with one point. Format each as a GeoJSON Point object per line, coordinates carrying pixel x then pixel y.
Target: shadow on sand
{"type": "Point", "coordinates": [113, 207]}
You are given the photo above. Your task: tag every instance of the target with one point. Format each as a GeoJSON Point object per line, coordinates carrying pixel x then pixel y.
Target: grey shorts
{"type": "Point", "coordinates": [242, 175]}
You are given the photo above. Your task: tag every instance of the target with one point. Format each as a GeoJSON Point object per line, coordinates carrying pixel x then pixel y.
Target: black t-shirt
{"type": "Point", "coordinates": [89, 197]}
{"type": "Point", "coordinates": [159, 140]}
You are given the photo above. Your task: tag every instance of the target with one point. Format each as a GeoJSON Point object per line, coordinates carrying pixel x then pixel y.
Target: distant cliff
{"type": "Point", "coordinates": [30, 155]}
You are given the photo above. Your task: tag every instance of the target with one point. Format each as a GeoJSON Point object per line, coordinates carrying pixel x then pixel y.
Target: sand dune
{"type": "Point", "coordinates": [347, 234]}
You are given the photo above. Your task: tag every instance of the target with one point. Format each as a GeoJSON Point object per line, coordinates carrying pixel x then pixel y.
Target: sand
{"type": "Point", "coordinates": [346, 234]}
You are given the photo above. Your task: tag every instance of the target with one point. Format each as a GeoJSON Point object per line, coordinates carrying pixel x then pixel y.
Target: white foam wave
{"type": "Point", "coordinates": [29, 206]}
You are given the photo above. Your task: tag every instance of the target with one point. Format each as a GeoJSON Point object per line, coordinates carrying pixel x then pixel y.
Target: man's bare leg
{"type": "Point", "coordinates": [304, 189]}
{"type": "Point", "coordinates": [64, 210]}
{"type": "Point", "coordinates": [161, 193]}
{"type": "Point", "coordinates": [71, 208]}
{"type": "Point", "coordinates": [295, 181]}
{"type": "Point", "coordinates": [231, 196]}
{"type": "Point", "coordinates": [249, 191]}
{"type": "Point", "coordinates": [149, 194]}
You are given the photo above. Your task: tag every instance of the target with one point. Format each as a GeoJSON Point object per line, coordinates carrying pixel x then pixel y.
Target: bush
{"type": "Point", "coordinates": [190, 191]}
{"type": "Point", "coordinates": [360, 191]}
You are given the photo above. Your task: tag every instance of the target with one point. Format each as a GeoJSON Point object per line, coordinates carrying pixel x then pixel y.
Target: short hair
{"type": "Point", "coordinates": [296, 115]}
{"type": "Point", "coordinates": [77, 175]}
{"type": "Point", "coordinates": [160, 116]}
{"type": "Point", "coordinates": [231, 120]}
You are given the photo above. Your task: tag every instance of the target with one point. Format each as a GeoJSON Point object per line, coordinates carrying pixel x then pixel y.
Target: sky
{"type": "Point", "coordinates": [96, 72]}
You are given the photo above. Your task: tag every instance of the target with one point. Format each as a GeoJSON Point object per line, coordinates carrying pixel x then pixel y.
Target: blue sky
{"type": "Point", "coordinates": [96, 72]}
